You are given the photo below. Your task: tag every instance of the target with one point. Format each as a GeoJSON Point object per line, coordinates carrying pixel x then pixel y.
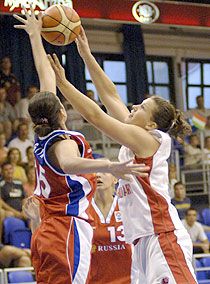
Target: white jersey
{"type": "Point", "coordinates": [145, 203]}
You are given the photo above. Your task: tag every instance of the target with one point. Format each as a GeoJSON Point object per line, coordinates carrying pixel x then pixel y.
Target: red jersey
{"type": "Point", "coordinates": [111, 256]}
{"type": "Point", "coordinates": [59, 193]}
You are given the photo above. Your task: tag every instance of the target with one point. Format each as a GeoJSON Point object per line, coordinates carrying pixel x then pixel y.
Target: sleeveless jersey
{"type": "Point", "coordinates": [145, 203]}
{"type": "Point", "coordinates": [61, 194]}
{"type": "Point", "coordinates": [111, 256]}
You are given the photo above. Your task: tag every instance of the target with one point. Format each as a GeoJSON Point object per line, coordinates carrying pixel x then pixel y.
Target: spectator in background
{"type": "Point", "coordinates": [14, 157]}
{"type": "Point", "coordinates": [30, 157]}
{"type": "Point", "coordinates": [12, 192]}
{"type": "Point", "coordinates": [172, 178]}
{"type": "Point", "coordinates": [74, 119]}
{"type": "Point", "coordinates": [7, 113]}
{"type": "Point", "coordinates": [180, 201]}
{"type": "Point", "coordinates": [193, 153]}
{"type": "Point", "coordinates": [13, 256]}
{"type": "Point", "coordinates": [21, 141]}
{"type": "Point", "coordinates": [3, 148]}
{"type": "Point", "coordinates": [90, 94]}
{"type": "Point", "coordinates": [207, 149]}
{"type": "Point", "coordinates": [200, 108]}
{"type": "Point", "coordinates": [30, 185]}
{"type": "Point", "coordinates": [7, 78]}
{"type": "Point", "coordinates": [22, 106]}
{"type": "Point", "coordinates": [196, 232]}
{"type": "Point", "coordinates": [207, 127]}
{"type": "Point", "coordinates": [14, 95]}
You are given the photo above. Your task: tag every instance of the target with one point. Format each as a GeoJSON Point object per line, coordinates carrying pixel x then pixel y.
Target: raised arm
{"type": "Point", "coordinates": [45, 72]}
{"type": "Point", "coordinates": [123, 133]}
{"type": "Point", "coordinates": [106, 89]}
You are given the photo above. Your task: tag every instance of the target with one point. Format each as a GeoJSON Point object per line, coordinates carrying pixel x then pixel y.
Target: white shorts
{"type": "Point", "coordinates": [165, 258]}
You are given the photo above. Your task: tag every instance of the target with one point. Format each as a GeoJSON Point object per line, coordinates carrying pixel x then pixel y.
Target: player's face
{"type": "Point", "coordinates": [141, 115]}
{"type": "Point", "coordinates": [105, 181]}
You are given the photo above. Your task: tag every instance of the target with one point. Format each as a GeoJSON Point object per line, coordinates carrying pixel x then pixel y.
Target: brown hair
{"type": "Point", "coordinates": [9, 153]}
{"type": "Point", "coordinates": [169, 119]}
{"type": "Point", "coordinates": [44, 109]}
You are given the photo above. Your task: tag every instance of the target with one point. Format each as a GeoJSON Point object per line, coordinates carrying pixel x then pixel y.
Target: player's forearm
{"type": "Point", "coordinates": [105, 87]}
{"type": "Point", "coordinates": [85, 106]}
{"type": "Point", "coordinates": [85, 166]}
{"type": "Point", "coordinates": [42, 64]}
{"type": "Point", "coordinates": [34, 224]}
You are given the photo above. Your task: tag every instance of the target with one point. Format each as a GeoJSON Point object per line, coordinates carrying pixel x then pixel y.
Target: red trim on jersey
{"type": "Point", "coordinates": [161, 218]}
{"type": "Point", "coordinates": [175, 258]}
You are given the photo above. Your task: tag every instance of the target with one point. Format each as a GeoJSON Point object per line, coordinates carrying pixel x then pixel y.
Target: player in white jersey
{"type": "Point", "coordinates": [163, 249]}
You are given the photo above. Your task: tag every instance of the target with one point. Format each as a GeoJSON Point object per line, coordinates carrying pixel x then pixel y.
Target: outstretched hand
{"type": "Point", "coordinates": [58, 69]}
{"type": "Point", "coordinates": [82, 44]}
{"type": "Point", "coordinates": [123, 169]}
{"type": "Point", "coordinates": [31, 24]}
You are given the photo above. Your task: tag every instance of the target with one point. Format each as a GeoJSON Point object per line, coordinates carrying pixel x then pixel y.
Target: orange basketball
{"type": "Point", "coordinates": [60, 25]}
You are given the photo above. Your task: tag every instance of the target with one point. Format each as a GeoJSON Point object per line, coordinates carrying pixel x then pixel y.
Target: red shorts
{"type": "Point", "coordinates": [61, 250]}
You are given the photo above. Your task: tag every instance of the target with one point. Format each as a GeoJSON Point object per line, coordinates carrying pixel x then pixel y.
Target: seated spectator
{"type": "Point", "coordinates": [22, 109]}
{"type": "Point", "coordinates": [74, 119]}
{"type": "Point", "coordinates": [14, 157]}
{"type": "Point", "coordinates": [207, 127]}
{"type": "Point", "coordinates": [200, 108]}
{"type": "Point", "coordinates": [22, 106]}
{"type": "Point", "coordinates": [196, 232]}
{"type": "Point", "coordinates": [12, 192]}
{"type": "Point", "coordinates": [180, 201]}
{"type": "Point", "coordinates": [30, 185]}
{"type": "Point", "coordinates": [193, 153]}
{"type": "Point", "coordinates": [207, 149]}
{"type": "Point", "coordinates": [21, 141]}
{"type": "Point", "coordinates": [3, 148]}
{"type": "Point", "coordinates": [7, 113]}
{"type": "Point", "coordinates": [8, 79]}
{"type": "Point", "coordinates": [30, 157]}
{"type": "Point", "coordinates": [5, 211]}
{"type": "Point", "coordinates": [172, 179]}
{"type": "Point", "coordinates": [11, 256]}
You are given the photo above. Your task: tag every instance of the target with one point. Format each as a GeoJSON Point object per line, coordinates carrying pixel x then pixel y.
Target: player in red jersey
{"type": "Point", "coordinates": [111, 256]}
{"type": "Point", "coordinates": [61, 244]}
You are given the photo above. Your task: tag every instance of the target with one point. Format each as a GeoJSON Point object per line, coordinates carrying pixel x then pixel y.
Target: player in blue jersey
{"type": "Point", "coordinates": [61, 244]}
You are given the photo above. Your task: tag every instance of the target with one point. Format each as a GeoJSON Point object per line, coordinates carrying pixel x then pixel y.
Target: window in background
{"type": "Point", "coordinates": [114, 67]}
{"type": "Point", "coordinates": [197, 81]}
{"type": "Point", "coordinates": [160, 77]}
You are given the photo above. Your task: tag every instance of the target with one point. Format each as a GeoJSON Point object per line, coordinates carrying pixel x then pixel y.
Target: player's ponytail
{"type": "Point", "coordinates": [44, 109]}
{"type": "Point", "coordinates": [169, 119]}
{"type": "Point", "coordinates": [179, 128]}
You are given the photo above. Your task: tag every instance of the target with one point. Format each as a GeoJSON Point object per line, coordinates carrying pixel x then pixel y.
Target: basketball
{"type": "Point", "coordinates": [60, 25]}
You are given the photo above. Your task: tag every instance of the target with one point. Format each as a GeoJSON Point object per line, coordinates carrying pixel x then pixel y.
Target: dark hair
{"type": "Point", "coordinates": [28, 148]}
{"type": "Point", "coordinates": [9, 153]}
{"type": "Point", "coordinates": [178, 183]}
{"type": "Point", "coordinates": [190, 209]}
{"type": "Point", "coordinates": [21, 124]}
{"type": "Point", "coordinates": [169, 119]}
{"type": "Point", "coordinates": [198, 97]}
{"type": "Point", "coordinates": [44, 110]}
{"type": "Point", "coordinates": [5, 164]}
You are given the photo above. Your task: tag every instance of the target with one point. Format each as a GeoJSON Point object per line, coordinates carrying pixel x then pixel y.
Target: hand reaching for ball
{"type": "Point", "coordinates": [58, 69]}
{"type": "Point", "coordinates": [31, 24]}
{"type": "Point", "coordinates": [82, 44]}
